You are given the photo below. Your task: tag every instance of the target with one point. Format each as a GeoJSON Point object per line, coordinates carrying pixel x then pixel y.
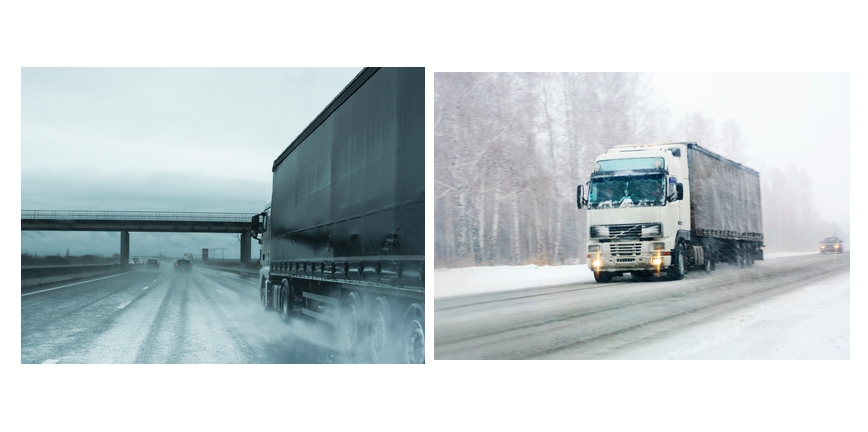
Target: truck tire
{"type": "Point", "coordinates": [263, 294]}
{"type": "Point", "coordinates": [603, 277]}
{"type": "Point", "coordinates": [380, 320]}
{"type": "Point", "coordinates": [413, 336]}
{"type": "Point", "coordinates": [350, 325]}
{"type": "Point", "coordinates": [677, 269]}
{"type": "Point", "coordinates": [285, 299]}
{"type": "Point", "coordinates": [708, 267]}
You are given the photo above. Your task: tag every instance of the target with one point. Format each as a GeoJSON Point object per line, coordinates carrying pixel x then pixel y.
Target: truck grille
{"type": "Point", "coordinates": [626, 231]}
{"type": "Point", "coordinates": [625, 249]}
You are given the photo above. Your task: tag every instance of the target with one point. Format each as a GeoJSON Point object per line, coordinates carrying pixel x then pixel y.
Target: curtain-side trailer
{"type": "Point", "coordinates": [344, 232]}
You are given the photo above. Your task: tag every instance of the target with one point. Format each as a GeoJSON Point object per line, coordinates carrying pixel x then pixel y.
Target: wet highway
{"type": "Point", "coordinates": [163, 316]}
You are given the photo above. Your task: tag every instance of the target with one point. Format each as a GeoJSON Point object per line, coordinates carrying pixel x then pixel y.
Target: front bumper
{"type": "Point", "coordinates": [626, 257]}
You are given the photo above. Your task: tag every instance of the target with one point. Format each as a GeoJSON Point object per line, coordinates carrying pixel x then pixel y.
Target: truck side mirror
{"type": "Point", "coordinates": [579, 196]}
{"type": "Point", "coordinates": [255, 225]}
{"type": "Point", "coordinates": [675, 190]}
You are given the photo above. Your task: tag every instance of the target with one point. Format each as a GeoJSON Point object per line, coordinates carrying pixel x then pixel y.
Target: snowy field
{"type": "Point", "coordinates": [811, 322]}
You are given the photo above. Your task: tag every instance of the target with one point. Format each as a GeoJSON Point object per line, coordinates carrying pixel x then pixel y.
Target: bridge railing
{"type": "Point", "coordinates": [133, 216]}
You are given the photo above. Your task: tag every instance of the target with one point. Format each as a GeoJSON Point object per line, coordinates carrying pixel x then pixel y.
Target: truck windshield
{"type": "Point", "coordinates": [627, 191]}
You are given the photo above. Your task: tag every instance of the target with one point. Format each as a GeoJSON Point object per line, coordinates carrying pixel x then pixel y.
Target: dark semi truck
{"type": "Point", "coordinates": [343, 237]}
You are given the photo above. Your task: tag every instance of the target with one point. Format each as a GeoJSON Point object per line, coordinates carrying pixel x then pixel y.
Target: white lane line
{"type": "Point", "coordinates": [65, 286]}
{"type": "Point", "coordinates": [125, 304]}
{"type": "Point", "coordinates": [144, 288]}
{"type": "Point", "coordinates": [51, 361]}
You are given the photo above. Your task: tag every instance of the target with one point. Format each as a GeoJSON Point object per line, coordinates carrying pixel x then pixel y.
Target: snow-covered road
{"type": "Point", "coordinates": [811, 322]}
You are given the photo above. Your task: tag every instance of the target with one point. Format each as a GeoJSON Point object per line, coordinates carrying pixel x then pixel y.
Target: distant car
{"type": "Point", "coordinates": [183, 264]}
{"type": "Point", "coordinates": [832, 244]}
{"type": "Point", "coordinates": [153, 263]}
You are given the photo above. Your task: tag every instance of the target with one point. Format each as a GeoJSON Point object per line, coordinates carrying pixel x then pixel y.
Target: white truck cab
{"type": "Point", "coordinates": [637, 205]}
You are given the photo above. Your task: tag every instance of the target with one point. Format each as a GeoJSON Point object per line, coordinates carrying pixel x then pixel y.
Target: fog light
{"type": "Point", "coordinates": [657, 261]}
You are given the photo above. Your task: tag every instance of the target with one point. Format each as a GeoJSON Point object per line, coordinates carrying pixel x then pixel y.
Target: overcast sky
{"type": "Point", "coordinates": [787, 119]}
{"type": "Point", "coordinates": [204, 139]}
{"type": "Point", "coordinates": [159, 139]}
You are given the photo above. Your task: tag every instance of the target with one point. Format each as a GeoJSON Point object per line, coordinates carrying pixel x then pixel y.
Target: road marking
{"type": "Point", "coordinates": [65, 286]}
{"type": "Point", "coordinates": [125, 304]}
{"type": "Point", "coordinates": [51, 361]}
{"type": "Point", "coordinates": [144, 288]}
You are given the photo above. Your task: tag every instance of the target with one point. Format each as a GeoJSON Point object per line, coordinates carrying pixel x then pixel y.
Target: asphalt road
{"type": "Point", "coordinates": [163, 316]}
{"type": "Point", "coordinates": [593, 321]}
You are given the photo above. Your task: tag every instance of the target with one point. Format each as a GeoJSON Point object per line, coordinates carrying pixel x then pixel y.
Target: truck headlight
{"type": "Point", "coordinates": [593, 248]}
{"type": "Point", "coordinates": [657, 257]}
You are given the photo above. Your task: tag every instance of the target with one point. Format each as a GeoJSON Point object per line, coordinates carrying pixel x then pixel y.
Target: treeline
{"type": "Point", "coordinates": [510, 148]}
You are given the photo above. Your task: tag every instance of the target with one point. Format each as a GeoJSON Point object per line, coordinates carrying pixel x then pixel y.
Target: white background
{"type": "Point", "coordinates": [442, 36]}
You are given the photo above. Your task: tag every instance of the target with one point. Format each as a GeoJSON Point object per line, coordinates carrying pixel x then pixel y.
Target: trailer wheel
{"type": "Point", "coordinates": [380, 318]}
{"type": "Point", "coordinates": [677, 269]}
{"type": "Point", "coordinates": [349, 330]}
{"type": "Point", "coordinates": [740, 257]}
{"type": "Point", "coordinates": [413, 339]}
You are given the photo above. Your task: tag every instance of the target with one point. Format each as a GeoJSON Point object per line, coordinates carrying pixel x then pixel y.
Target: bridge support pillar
{"type": "Point", "coordinates": [125, 249]}
{"type": "Point", "coordinates": [245, 248]}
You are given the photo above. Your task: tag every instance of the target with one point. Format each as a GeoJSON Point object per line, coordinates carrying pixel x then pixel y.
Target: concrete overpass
{"type": "Point", "coordinates": [140, 221]}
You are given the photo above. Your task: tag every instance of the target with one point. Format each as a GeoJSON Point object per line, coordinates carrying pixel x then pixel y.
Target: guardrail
{"type": "Point", "coordinates": [230, 267]}
{"type": "Point", "coordinates": [41, 275]}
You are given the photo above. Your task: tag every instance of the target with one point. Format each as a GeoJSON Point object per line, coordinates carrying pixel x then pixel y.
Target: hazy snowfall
{"type": "Point", "coordinates": [811, 322]}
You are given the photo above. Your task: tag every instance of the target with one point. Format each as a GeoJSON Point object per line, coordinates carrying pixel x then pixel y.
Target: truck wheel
{"type": "Point", "coordinates": [351, 309]}
{"type": "Point", "coordinates": [263, 294]}
{"type": "Point", "coordinates": [413, 339]}
{"type": "Point", "coordinates": [603, 277]}
{"type": "Point", "coordinates": [380, 318]}
{"type": "Point", "coordinates": [677, 270]}
{"type": "Point", "coordinates": [285, 299]}
{"type": "Point", "coordinates": [709, 260]}
{"type": "Point", "coordinates": [709, 264]}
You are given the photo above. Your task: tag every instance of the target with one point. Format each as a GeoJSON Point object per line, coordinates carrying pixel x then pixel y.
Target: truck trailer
{"type": "Point", "coordinates": [343, 236]}
{"type": "Point", "coordinates": [659, 210]}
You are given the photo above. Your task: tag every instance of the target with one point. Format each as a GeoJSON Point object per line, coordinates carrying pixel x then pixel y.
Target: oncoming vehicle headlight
{"type": "Point", "coordinates": [593, 248]}
{"type": "Point", "coordinates": [657, 246]}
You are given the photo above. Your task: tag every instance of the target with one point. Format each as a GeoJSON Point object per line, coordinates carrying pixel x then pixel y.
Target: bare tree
{"type": "Point", "coordinates": [509, 151]}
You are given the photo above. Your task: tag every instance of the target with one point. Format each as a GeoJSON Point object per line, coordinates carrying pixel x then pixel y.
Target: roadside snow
{"type": "Point", "coordinates": [476, 280]}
